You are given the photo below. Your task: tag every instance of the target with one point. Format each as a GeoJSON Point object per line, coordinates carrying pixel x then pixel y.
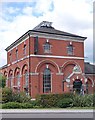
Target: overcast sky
{"type": "Point", "coordinates": [74, 16]}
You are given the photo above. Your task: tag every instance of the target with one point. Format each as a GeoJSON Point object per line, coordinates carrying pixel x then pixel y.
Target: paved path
{"type": "Point", "coordinates": [46, 113]}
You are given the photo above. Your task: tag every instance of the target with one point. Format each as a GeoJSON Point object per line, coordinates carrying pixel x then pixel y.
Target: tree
{"type": "Point", "coordinates": [2, 81]}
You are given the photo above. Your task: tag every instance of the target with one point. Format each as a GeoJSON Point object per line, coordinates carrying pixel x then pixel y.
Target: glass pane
{"type": "Point", "coordinates": [47, 80]}
{"type": "Point", "coordinates": [70, 49]}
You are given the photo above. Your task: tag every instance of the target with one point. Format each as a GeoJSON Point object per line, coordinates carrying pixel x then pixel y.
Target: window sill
{"type": "Point", "coordinates": [71, 55]}
{"type": "Point", "coordinates": [47, 53]}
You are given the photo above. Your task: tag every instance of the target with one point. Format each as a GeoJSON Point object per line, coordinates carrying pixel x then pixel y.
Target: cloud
{"type": "Point", "coordinates": [73, 16]}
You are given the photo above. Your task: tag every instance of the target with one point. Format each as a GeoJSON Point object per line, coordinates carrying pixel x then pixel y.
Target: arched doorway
{"type": "Point", "coordinates": [77, 86]}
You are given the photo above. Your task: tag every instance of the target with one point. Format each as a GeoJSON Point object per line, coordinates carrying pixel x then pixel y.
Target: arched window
{"type": "Point", "coordinates": [18, 80]}
{"type": "Point", "coordinates": [26, 83]}
{"type": "Point", "coordinates": [26, 79]}
{"type": "Point", "coordinates": [11, 81]}
{"type": "Point", "coordinates": [47, 80]}
{"type": "Point", "coordinates": [70, 49]}
{"type": "Point", "coordinates": [47, 47]}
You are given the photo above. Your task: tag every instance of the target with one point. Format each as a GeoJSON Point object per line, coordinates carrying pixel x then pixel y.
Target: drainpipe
{"type": "Point", "coordinates": [29, 67]}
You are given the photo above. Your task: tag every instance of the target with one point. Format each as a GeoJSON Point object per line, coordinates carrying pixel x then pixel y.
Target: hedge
{"type": "Point", "coordinates": [17, 105]}
{"type": "Point", "coordinates": [83, 101]}
{"type": "Point", "coordinates": [64, 103]}
{"type": "Point", "coordinates": [9, 96]}
{"type": "Point", "coordinates": [6, 95]}
{"type": "Point", "coordinates": [51, 100]}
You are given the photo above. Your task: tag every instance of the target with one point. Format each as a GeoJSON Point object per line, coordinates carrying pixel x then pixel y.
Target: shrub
{"type": "Point", "coordinates": [16, 105]}
{"type": "Point", "coordinates": [6, 95]}
{"type": "Point", "coordinates": [11, 105]}
{"type": "Point", "coordinates": [64, 103]}
{"type": "Point", "coordinates": [2, 81]}
{"type": "Point", "coordinates": [9, 96]}
{"type": "Point", "coordinates": [82, 101]}
{"type": "Point", "coordinates": [51, 100]}
{"type": "Point", "coordinates": [94, 100]}
{"type": "Point", "coordinates": [26, 105]}
{"type": "Point", "coordinates": [20, 97]}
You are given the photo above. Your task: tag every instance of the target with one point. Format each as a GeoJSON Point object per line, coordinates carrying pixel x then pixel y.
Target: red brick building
{"type": "Point", "coordinates": [45, 60]}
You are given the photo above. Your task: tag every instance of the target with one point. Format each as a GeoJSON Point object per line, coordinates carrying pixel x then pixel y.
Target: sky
{"type": "Point", "coordinates": [19, 16]}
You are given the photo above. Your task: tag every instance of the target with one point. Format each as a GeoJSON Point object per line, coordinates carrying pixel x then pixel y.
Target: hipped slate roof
{"type": "Point", "coordinates": [45, 27]}
{"type": "Point", "coordinates": [89, 68]}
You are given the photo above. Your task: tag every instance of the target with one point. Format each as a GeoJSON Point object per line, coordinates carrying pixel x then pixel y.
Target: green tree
{"type": "Point", "coordinates": [2, 81]}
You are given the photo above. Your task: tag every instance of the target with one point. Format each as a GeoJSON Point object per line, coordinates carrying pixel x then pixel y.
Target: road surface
{"type": "Point", "coordinates": [46, 113]}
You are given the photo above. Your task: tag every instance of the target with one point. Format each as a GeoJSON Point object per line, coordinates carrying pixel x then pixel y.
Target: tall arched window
{"type": "Point", "coordinates": [11, 81]}
{"type": "Point", "coordinates": [26, 83]}
{"type": "Point", "coordinates": [47, 80]}
{"type": "Point", "coordinates": [26, 79]}
{"type": "Point", "coordinates": [18, 80]}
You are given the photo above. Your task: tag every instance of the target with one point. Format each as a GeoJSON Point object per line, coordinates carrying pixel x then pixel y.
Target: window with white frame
{"type": "Point", "coordinates": [70, 49]}
{"type": "Point", "coordinates": [18, 80]}
{"type": "Point", "coordinates": [11, 81]}
{"type": "Point", "coordinates": [47, 80]}
{"type": "Point", "coordinates": [26, 79]}
{"type": "Point", "coordinates": [26, 83]}
{"type": "Point", "coordinates": [47, 47]}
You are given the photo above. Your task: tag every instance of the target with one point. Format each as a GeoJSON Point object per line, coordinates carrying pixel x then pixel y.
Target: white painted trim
{"type": "Point", "coordinates": [8, 65]}
{"type": "Point", "coordinates": [74, 62]}
{"type": "Point", "coordinates": [48, 56]}
{"type": "Point", "coordinates": [71, 75]}
{"type": "Point", "coordinates": [44, 61]}
{"type": "Point", "coordinates": [48, 36]}
{"type": "Point", "coordinates": [23, 40]}
{"type": "Point", "coordinates": [51, 56]}
{"type": "Point", "coordinates": [59, 73]}
{"type": "Point", "coordinates": [34, 73]}
{"type": "Point", "coordinates": [56, 37]}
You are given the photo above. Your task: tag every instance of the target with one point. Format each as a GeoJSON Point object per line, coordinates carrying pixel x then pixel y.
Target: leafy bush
{"type": "Point", "coordinates": [51, 100]}
{"type": "Point", "coordinates": [2, 81]}
{"type": "Point", "coordinates": [64, 103]}
{"type": "Point", "coordinates": [82, 101]}
{"type": "Point", "coordinates": [20, 97]}
{"type": "Point", "coordinates": [26, 105]}
{"type": "Point", "coordinates": [6, 95]}
{"type": "Point", "coordinates": [12, 105]}
{"type": "Point", "coordinates": [16, 105]}
{"type": "Point", "coordinates": [94, 100]}
{"type": "Point", "coordinates": [9, 96]}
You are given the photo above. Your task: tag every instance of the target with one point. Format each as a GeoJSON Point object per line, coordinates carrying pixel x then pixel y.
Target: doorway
{"type": "Point", "coordinates": [77, 86]}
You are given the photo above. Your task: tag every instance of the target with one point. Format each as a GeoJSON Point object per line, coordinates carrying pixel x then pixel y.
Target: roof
{"type": "Point", "coordinates": [89, 68]}
{"type": "Point", "coordinates": [3, 67]}
{"type": "Point", "coordinates": [45, 27]}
